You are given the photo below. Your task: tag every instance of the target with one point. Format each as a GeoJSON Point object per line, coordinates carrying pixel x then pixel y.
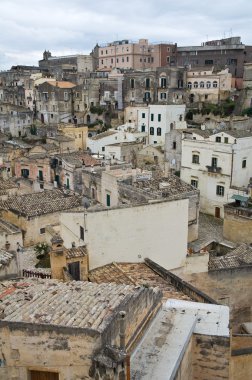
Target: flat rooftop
{"type": "Point", "coordinates": [162, 348]}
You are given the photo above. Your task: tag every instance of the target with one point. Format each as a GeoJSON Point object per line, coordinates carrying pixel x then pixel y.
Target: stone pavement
{"type": "Point", "coordinates": [210, 229]}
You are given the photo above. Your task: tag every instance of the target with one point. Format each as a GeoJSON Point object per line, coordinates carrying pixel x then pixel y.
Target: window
{"type": "Point", "coordinates": [189, 85]}
{"type": "Point", "coordinates": [194, 183]}
{"type": "Point", "coordinates": [147, 82]}
{"type": "Point", "coordinates": [244, 163]}
{"type": "Point", "coordinates": [163, 82]}
{"type": "Point", "coordinates": [202, 84]}
{"type": "Point", "coordinates": [42, 231]}
{"type": "Point", "coordinates": [151, 131]}
{"type": "Point", "coordinates": [174, 145]}
{"type": "Point", "coordinates": [147, 96]}
{"type": "Point", "coordinates": [143, 115]}
{"type": "Point", "coordinates": [226, 140]}
{"type": "Point", "coordinates": [159, 117]}
{"type": "Point", "coordinates": [132, 83]}
{"type": "Point", "coordinates": [215, 84]}
{"type": "Point", "coordinates": [152, 116]}
{"type": "Point", "coordinates": [159, 131]}
{"type": "Point", "coordinates": [65, 95]}
{"type": "Point", "coordinates": [209, 62]}
{"type": "Point", "coordinates": [214, 162]}
{"type": "Point", "coordinates": [143, 128]}
{"type": "Point", "coordinates": [218, 139]}
{"type": "Point", "coordinates": [195, 159]}
{"type": "Point", "coordinates": [103, 149]}
{"type": "Point", "coordinates": [208, 84]}
{"type": "Point", "coordinates": [81, 233]}
{"type": "Point", "coordinates": [163, 95]}
{"type": "Point", "coordinates": [220, 190]}
{"type": "Point", "coordinates": [168, 59]}
{"type": "Point", "coordinates": [108, 200]}
{"type": "Point", "coordinates": [195, 84]}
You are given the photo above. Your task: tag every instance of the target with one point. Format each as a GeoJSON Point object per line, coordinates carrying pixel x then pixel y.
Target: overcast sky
{"type": "Point", "coordinates": [28, 27]}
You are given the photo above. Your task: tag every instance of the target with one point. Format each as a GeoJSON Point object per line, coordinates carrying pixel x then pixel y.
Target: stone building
{"type": "Point", "coordinates": [208, 85]}
{"type": "Point", "coordinates": [227, 52]}
{"type": "Point", "coordinates": [218, 165]}
{"type": "Point", "coordinates": [139, 55]}
{"type": "Point", "coordinates": [10, 236]}
{"type": "Point", "coordinates": [55, 102]}
{"type": "Point", "coordinates": [237, 225]}
{"type": "Point", "coordinates": [33, 212]}
{"type": "Point", "coordinates": [68, 67]}
{"type": "Point", "coordinates": [164, 85]}
{"type": "Point", "coordinates": [68, 264]}
{"type": "Point", "coordinates": [15, 120]}
{"type": "Point", "coordinates": [91, 335]}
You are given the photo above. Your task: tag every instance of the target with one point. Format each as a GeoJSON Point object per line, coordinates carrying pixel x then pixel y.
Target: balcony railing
{"type": "Point", "coordinates": [213, 169]}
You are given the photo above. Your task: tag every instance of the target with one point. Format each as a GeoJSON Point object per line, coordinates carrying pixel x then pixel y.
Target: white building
{"type": "Point", "coordinates": [156, 120]}
{"type": "Point", "coordinates": [219, 166]}
{"type": "Point", "coordinates": [98, 143]}
{"type": "Point", "coordinates": [130, 234]}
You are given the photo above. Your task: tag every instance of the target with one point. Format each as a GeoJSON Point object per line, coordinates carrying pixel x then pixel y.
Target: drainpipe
{"type": "Point", "coordinates": [232, 164]}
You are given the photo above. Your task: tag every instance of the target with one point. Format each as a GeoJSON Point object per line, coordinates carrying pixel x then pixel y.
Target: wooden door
{"type": "Point", "coordinates": [42, 375]}
{"type": "Point", "coordinates": [74, 270]}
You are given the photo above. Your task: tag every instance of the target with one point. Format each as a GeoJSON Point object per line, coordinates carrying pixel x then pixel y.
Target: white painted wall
{"type": "Point", "coordinates": [98, 145]}
{"type": "Point", "coordinates": [157, 231]}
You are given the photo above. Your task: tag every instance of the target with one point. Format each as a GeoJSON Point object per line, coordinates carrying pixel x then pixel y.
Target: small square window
{"type": "Point", "coordinates": [218, 139]}
{"type": "Point", "coordinates": [194, 183]}
{"type": "Point", "coordinates": [42, 231]}
{"type": "Point", "coordinates": [226, 140]}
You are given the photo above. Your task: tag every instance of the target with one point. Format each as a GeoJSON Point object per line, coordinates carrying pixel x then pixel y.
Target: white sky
{"type": "Point", "coordinates": [28, 27]}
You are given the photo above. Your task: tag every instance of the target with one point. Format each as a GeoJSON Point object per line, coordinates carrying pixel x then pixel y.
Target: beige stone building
{"type": "Point", "coordinates": [208, 85]}
{"type": "Point", "coordinates": [78, 133]}
{"type": "Point", "coordinates": [33, 212]}
{"type": "Point", "coordinates": [79, 329]}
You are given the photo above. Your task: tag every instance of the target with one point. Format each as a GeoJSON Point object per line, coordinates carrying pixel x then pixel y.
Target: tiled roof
{"type": "Point", "coordinates": [137, 274]}
{"type": "Point", "coordinates": [5, 258]}
{"type": "Point", "coordinates": [239, 134]}
{"type": "Point", "coordinates": [76, 304]}
{"type": "Point", "coordinates": [62, 84]}
{"type": "Point", "coordinates": [7, 184]}
{"type": "Point", "coordinates": [46, 202]}
{"type": "Point", "coordinates": [240, 256]}
{"type": "Point", "coordinates": [78, 159]}
{"type": "Point", "coordinates": [165, 186]}
{"type": "Point", "coordinates": [102, 135]}
{"type": "Point", "coordinates": [8, 228]}
{"type": "Point", "coordinates": [76, 252]}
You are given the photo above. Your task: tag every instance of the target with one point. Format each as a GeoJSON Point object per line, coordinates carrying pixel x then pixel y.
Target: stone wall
{"type": "Point", "coordinates": [27, 347]}
{"type": "Point", "coordinates": [241, 359]}
{"type": "Point", "coordinates": [210, 357]}
{"type": "Point", "coordinates": [237, 228]}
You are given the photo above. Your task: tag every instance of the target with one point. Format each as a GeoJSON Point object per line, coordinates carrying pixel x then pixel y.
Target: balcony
{"type": "Point", "coordinates": [213, 169]}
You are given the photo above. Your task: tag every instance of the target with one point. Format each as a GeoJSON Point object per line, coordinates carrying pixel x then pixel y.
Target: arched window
{"type": "Point", "coordinates": [202, 84]}
{"type": "Point", "coordinates": [215, 84]}
{"type": "Point", "coordinates": [189, 85]}
{"type": "Point", "coordinates": [195, 85]}
{"type": "Point", "coordinates": [208, 84]}
{"type": "Point", "coordinates": [151, 131]}
{"type": "Point", "coordinates": [159, 131]}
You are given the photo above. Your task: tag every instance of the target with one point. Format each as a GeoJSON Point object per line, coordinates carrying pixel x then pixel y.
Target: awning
{"type": "Point", "coordinates": [241, 198]}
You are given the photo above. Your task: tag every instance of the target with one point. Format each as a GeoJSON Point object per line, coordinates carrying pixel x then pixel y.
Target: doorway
{"type": "Point", "coordinates": [42, 375]}
{"type": "Point", "coordinates": [74, 270]}
{"type": "Point", "coordinates": [217, 212]}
